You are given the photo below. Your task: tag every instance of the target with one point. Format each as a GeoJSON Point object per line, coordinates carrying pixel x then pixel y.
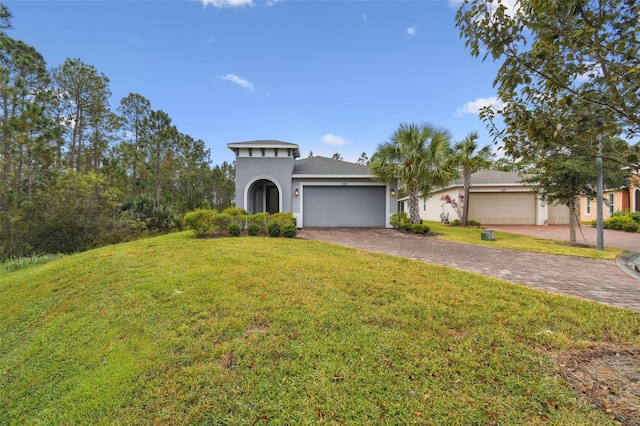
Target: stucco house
{"type": "Point", "coordinates": [627, 198]}
{"type": "Point", "coordinates": [319, 191]}
{"type": "Point", "coordinates": [495, 198]}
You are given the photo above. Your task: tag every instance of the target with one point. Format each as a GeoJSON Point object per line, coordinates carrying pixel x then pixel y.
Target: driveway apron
{"type": "Point", "coordinates": [598, 280]}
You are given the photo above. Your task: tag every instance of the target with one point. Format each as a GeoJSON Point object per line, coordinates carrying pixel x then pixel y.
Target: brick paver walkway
{"type": "Point", "coordinates": [598, 280]}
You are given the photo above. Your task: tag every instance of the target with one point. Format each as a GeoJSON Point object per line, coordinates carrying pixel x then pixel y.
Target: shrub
{"type": "Point", "coordinates": [474, 223]}
{"type": "Point", "coordinates": [455, 222]}
{"type": "Point", "coordinates": [419, 228]}
{"type": "Point", "coordinates": [161, 218]}
{"type": "Point", "coordinates": [208, 223]}
{"type": "Point", "coordinates": [283, 218]}
{"type": "Point", "coordinates": [235, 212]}
{"type": "Point", "coordinates": [289, 230]}
{"type": "Point", "coordinates": [273, 229]}
{"type": "Point", "coordinates": [236, 215]}
{"type": "Point", "coordinates": [201, 221]}
{"type": "Point", "coordinates": [635, 216]}
{"type": "Point", "coordinates": [622, 223]}
{"type": "Point", "coordinates": [261, 220]}
{"type": "Point", "coordinates": [220, 221]}
{"type": "Point", "coordinates": [253, 229]}
{"type": "Point", "coordinates": [278, 222]}
{"type": "Point", "coordinates": [399, 220]}
{"type": "Point", "coordinates": [234, 229]}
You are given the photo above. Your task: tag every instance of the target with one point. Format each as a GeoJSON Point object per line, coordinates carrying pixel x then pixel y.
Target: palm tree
{"type": "Point", "coordinates": [419, 157]}
{"type": "Point", "coordinates": [469, 159]}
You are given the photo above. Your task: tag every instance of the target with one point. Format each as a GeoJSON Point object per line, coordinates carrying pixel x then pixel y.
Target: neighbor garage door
{"type": "Point", "coordinates": [344, 206]}
{"type": "Point", "coordinates": [558, 214]}
{"type": "Point", "coordinates": [503, 208]}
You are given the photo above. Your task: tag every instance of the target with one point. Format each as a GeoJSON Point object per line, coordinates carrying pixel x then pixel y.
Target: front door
{"type": "Point", "coordinates": [272, 199]}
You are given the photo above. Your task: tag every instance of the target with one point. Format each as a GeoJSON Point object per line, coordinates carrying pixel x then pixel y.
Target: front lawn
{"type": "Point", "coordinates": [245, 331]}
{"type": "Point", "coordinates": [507, 240]}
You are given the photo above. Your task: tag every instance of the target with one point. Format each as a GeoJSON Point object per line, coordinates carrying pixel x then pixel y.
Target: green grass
{"type": "Point", "coordinates": [20, 263]}
{"type": "Point", "coordinates": [521, 242]}
{"type": "Point", "coordinates": [242, 331]}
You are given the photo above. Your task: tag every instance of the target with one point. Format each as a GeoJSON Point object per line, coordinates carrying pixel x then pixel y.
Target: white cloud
{"type": "Point", "coordinates": [273, 2]}
{"type": "Point", "coordinates": [227, 3]}
{"type": "Point", "coordinates": [334, 140]}
{"type": "Point", "coordinates": [412, 30]}
{"type": "Point", "coordinates": [364, 17]}
{"type": "Point", "coordinates": [593, 70]}
{"type": "Point", "coordinates": [210, 40]}
{"type": "Point", "coordinates": [473, 107]}
{"type": "Point", "coordinates": [239, 81]}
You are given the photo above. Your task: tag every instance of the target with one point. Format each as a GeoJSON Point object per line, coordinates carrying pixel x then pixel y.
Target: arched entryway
{"type": "Point", "coordinates": [637, 201]}
{"type": "Point", "coordinates": [263, 195]}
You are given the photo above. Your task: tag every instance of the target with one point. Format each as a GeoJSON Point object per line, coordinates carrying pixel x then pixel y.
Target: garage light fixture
{"type": "Point", "coordinates": [393, 192]}
{"type": "Point", "coordinates": [296, 192]}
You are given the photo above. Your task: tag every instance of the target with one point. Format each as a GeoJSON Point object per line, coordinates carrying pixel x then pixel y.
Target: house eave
{"type": "Point", "coordinates": [317, 176]}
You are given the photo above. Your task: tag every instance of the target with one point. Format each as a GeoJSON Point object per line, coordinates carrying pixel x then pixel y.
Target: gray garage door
{"type": "Point", "coordinates": [344, 206]}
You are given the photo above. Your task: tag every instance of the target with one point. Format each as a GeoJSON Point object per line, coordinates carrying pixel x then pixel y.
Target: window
{"type": "Point", "coordinates": [588, 206]}
{"type": "Point", "coordinates": [263, 152]}
{"type": "Point", "coordinates": [275, 152]}
{"type": "Point", "coordinates": [288, 152]}
{"type": "Point", "coordinates": [611, 207]}
{"type": "Point", "coordinates": [424, 204]}
{"type": "Point", "coordinates": [237, 151]}
{"type": "Point", "coordinates": [250, 152]}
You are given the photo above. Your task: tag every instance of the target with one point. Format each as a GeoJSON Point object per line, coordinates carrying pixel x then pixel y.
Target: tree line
{"type": "Point", "coordinates": [76, 173]}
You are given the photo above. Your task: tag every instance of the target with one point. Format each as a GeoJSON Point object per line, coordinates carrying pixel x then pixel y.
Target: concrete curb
{"type": "Point", "coordinates": [630, 263]}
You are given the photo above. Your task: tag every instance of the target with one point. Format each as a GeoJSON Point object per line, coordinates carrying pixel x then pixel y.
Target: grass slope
{"type": "Point", "coordinates": [175, 330]}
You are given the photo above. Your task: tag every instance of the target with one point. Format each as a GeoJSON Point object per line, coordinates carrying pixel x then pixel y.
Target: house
{"type": "Point", "coordinates": [495, 198]}
{"type": "Point", "coordinates": [621, 199]}
{"type": "Point", "coordinates": [319, 191]}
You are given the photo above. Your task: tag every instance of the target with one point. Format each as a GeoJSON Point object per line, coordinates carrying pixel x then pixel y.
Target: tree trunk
{"type": "Point", "coordinates": [572, 223]}
{"type": "Point", "coordinates": [465, 205]}
{"type": "Point", "coordinates": [414, 205]}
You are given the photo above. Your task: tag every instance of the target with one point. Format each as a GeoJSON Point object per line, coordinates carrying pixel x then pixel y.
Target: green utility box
{"type": "Point", "coordinates": [487, 235]}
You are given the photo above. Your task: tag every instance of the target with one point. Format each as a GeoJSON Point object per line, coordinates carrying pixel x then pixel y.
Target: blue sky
{"type": "Point", "coordinates": [331, 76]}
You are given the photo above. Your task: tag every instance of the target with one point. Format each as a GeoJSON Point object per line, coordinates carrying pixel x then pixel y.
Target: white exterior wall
{"type": "Point", "coordinates": [434, 206]}
{"type": "Point", "coordinates": [535, 211]}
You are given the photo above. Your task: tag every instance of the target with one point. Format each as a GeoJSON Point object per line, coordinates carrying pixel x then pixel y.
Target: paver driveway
{"type": "Point", "coordinates": [599, 280]}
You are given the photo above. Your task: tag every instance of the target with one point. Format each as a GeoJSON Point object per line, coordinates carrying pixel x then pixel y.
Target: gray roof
{"type": "Point", "coordinates": [328, 166]}
{"type": "Point", "coordinates": [494, 177]}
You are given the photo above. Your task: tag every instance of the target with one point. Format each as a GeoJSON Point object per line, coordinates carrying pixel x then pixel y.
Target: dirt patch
{"type": "Point", "coordinates": [609, 376]}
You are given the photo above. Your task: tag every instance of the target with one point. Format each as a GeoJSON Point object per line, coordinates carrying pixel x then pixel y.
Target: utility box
{"type": "Point", "coordinates": [487, 235]}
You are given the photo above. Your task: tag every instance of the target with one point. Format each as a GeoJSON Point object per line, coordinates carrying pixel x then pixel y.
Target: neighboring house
{"type": "Point", "coordinates": [319, 191]}
{"type": "Point", "coordinates": [496, 198]}
{"type": "Point", "coordinates": [614, 200]}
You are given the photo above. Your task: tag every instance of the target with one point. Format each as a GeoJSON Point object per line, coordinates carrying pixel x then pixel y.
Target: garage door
{"type": "Point", "coordinates": [558, 214]}
{"type": "Point", "coordinates": [344, 206]}
{"type": "Point", "coordinates": [503, 208]}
